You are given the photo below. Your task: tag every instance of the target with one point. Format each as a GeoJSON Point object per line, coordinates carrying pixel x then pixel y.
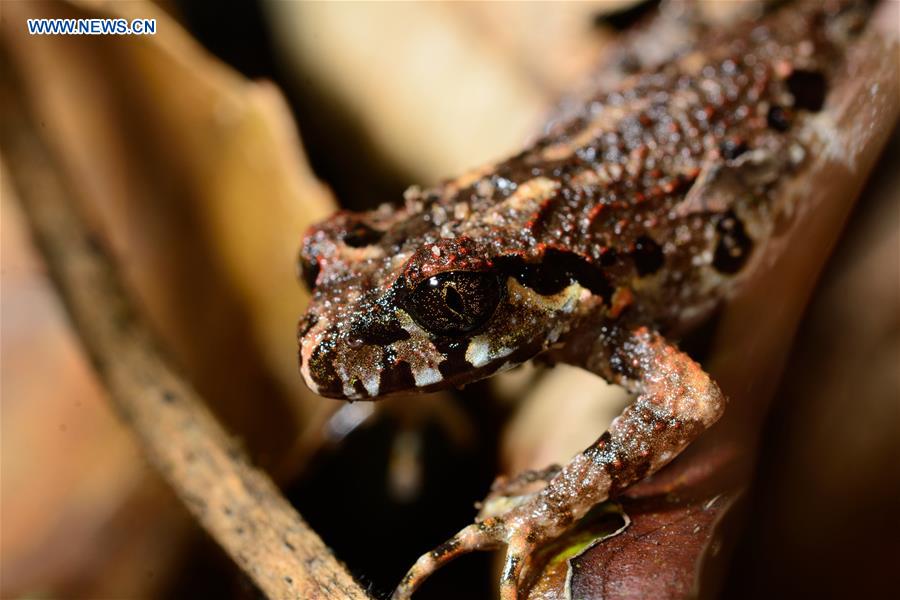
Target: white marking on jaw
{"type": "Point", "coordinates": [427, 376]}
{"type": "Point", "coordinates": [348, 392]}
{"type": "Point", "coordinates": [372, 384]}
{"type": "Point", "coordinates": [307, 377]}
{"type": "Point", "coordinates": [304, 370]}
{"type": "Point", "coordinates": [478, 353]}
{"type": "Point", "coordinates": [308, 349]}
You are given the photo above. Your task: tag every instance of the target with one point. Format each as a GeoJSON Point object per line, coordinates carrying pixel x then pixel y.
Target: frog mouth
{"type": "Point", "coordinates": [465, 364]}
{"type": "Point", "coordinates": [335, 364]}
{"type": "Point", "coordinates": [326, 376]}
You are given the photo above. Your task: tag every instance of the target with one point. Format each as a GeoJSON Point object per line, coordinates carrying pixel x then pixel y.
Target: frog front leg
{"type": "Point", "coordinates": [675, 402]}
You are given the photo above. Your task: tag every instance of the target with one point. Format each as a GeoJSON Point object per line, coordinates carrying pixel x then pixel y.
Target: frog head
{"type": "Point", "coordinates": [400, 304]}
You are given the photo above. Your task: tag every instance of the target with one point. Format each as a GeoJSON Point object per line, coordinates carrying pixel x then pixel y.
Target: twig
{"type": "Point", "coordinates": [238, 505]}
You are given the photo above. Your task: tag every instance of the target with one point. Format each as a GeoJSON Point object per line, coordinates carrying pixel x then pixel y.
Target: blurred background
{"type": "Point", "coordinates": [203, 153]}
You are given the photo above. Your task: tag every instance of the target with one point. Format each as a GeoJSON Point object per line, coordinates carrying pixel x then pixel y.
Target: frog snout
{"type": "Point", "coordinates": [320, 374]}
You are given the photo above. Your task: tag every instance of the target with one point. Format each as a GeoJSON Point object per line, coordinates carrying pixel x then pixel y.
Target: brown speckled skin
{"type": "Point", "coordinates": [653, 199]}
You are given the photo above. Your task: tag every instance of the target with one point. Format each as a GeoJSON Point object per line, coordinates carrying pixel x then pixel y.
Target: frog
{"type": "Point", "coordinates": [620, 228]}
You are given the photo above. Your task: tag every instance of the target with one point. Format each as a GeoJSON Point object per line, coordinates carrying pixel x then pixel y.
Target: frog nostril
{"type": "Point", "coordinates": [361, 235]}
{"type": "Point", "coordinates": [396, 377]}
{"type": "Point", "coordinates": [308, 270]}
{"type": "Point", "coordinates": [376, 331]}
{"type": "Point", "coordinates": [808, 89]}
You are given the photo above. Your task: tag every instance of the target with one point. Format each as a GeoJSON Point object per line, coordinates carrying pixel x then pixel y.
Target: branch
{"type": "Point", "coordinates": [238, 505]}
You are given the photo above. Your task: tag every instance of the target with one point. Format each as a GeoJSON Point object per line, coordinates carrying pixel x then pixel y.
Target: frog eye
{"type": "Point", "coordinates": [455, 302]}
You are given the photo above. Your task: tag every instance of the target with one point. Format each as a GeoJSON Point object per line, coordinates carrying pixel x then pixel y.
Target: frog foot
{"type": "Point", "coordinates": [675, 402]}
{"type": "Point", "coordinates": [516, 521]}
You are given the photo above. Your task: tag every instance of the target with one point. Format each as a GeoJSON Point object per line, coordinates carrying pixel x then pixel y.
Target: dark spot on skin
{"type": "Point", "coordinates": [732, 148]}
{"type": "Point", "coordinates": [361, 235]}
{"type": "Point", "coordinates": [359, 389]}
{"type": "Point", "coordinates": [778, 119]}
{"type": "Point", "coordinates": [608, 258]}
{"type": "Point", "coordinates": [734, 245]}
{"type": "Point", "coordinates": [456, 362]}
{"type": "Point", "coordinates": [598, 448]}
{"type": "Point", "coordinates": [557, 270]}
{"type": "Point", "coordinates": [377, 331]}
{"type": "Point", "coordinates": [168, 396]}
{"type": "Point", "coordinates": [628, 470]}
{"type": "Point", "coordinates": [808, 89]}
{"type": "Point", "coordinates": [449, 345]}
{"type": "Point", "coordinates": [288, 580]}
{"type": "Point", "coordinates": [536, 276]}
{"type": "Point", "coordinates": [647, 255]}
{"type": "Point", "coordinates": [627, 17]}
{"type": "Point", "coordinates": [396, 376]}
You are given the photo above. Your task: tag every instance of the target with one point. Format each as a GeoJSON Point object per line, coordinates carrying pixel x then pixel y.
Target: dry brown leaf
{"type": "Point", "coordinates": [201, 185]}
{"type": "Point", "coordinates": [71, 474]}
{"type": "Point", "coordinates": [199, 181]}
{"type": "Point", "coordinates": [426, 86]}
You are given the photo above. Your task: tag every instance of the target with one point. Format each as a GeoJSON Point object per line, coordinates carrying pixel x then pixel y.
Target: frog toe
{"type": "Point", "coordinates": [483, 535]}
